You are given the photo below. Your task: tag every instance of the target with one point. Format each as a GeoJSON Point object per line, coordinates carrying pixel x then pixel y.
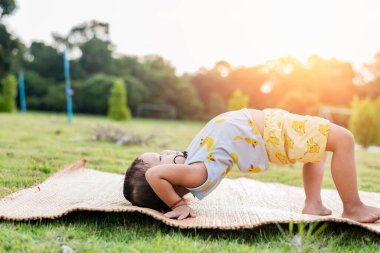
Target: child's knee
{"type": "Point", "coordinates": [349, 137]}
{"type": "Point", "coordinates": [339, 137]}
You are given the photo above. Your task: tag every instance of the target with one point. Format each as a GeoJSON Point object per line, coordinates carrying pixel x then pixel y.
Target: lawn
{"type": "Point", "coordinates": [35, 145]}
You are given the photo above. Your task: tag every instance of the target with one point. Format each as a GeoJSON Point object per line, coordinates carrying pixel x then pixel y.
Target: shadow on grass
{"type": "Point", "coordinates": [147, 226]}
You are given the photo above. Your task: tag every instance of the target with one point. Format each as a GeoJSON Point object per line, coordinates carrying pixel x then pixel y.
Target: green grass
{"type": "Point", "coordinates": [35, 145]}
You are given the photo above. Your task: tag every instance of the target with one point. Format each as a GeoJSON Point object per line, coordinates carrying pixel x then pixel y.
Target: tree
{"type": "Point", "coordinates": [96, 56]}
{"type": "Point", "coordinates": [82, 33]}
{"type": "Point", "coordinates": [331, 79]}
{"type": "Point", "coordinates": [299, 101]}
{"type": "Point", "coordinates": [8, 48]}
{"type": "Point", "coordinates": [206, 82]}
{"type": "Point", "coordinates": [90, 40]}
{"type": "Point", "coordinates": [55, 99]}
{"type": "Point", "coordinates": [45, 60]}
{"type": "Point", "coordinates": [6, 7]}
{"type": "Point", "coordinates": [160, 79]}
{"type": "Point", "coordinates": [8, 44]}
{"type": "Point", "coordinates": [188, 104]}
{"type": "Point", "coordinates": [117, 106]}
{"type": "Point", "coordinates": [249, 80]}
{"type": "Point", "coordinates": [91, 95]}
{"type": "Point", "coordinates": [36, 87]}
{"type": "Point", "coordinates": [137, 91]}
{"type": "Point", "coordinates": [363, 122]}
{"type": "Point", "coordinates": [9, 93]}
{"type": "Point", "coordinates": [237, 101]}
{"type": "Point", "coordinates": [377, 118]}
{"type": "Point", "coordinates": [216, 105]}
{"type": "Point", "coordinates": [371, 87]}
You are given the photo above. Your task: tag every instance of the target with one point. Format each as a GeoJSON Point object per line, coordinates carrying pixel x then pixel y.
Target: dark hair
{"type": "Point", "coordinates": [138, 191]}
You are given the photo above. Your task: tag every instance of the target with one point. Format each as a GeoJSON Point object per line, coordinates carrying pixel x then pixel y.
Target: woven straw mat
{"type": "Point", "coordinates": [239, 203]}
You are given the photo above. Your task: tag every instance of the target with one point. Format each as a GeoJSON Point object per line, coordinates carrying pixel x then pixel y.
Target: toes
{"type": "Point", "coordinates": [371, 219]}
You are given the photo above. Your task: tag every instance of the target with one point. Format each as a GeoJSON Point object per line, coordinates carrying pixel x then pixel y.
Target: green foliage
{"type": "Point", "coordinates": [96, 56]}
{"type": "Point", "coordinates": [304, 239]}
{"type": "Point", "coordinates": [237, 101]}
{"type": "Point", "coordinates": [8, 45]}
{"type": "Point", "coordinates": [130, 65]}
{"type": "Point", "coordinates": [9, 94]}
{"type": "Point", "coordinates": [36, 87]}
{"type": "Point", "coordinates": [160, 79]}
{"type": "Point", "coordinates": [294, 86]}
{"type": "Point", "coordinates": [216, 105]}
{"type": "Point", "coordinates": [364, 122]}
{"type": "Point", "coordinates": [300, 101]}
{"type": "Point", "coordinates": [206, 82]}
{"type": "Point", "coordinates": [45, 60]}
{"type": "Point", "coordinates": [55, 99]}
{"type": "Point", "coordinates": [82, 33]}
{"type": "Point", "coordinates": [91, 96]}
{"type": "Point", "coordinates": [76, 71]}
{"type": "Point", "coordinates": [340, 119]}
{"type": "Point", "coordinates": [188, 104]}
{"type": "Point", "coordinates": [371, 89]}
{"type": "Point", "coordinates": [137, 92]}
{"type": "Point", "coordinates": [7, 7]}
{"type": "Point", "coordinates": [377, 118]}
{"type": "Point", "coordinates": [117, 106]}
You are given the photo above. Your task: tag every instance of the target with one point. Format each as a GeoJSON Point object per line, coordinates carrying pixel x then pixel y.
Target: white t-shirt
{"type": "Point", "coordinates": [230, 137]}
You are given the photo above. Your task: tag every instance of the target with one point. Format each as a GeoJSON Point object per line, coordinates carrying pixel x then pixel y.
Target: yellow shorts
{"type": "Point", "coordinates": [290, 137]}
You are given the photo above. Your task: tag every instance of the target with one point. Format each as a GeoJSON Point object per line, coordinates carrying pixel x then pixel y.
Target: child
{"type": "Point", "coordinates": [251, 139]}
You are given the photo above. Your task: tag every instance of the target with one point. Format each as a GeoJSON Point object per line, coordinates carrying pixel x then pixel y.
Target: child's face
{"type": "Point", "coordinates": [165, 157]}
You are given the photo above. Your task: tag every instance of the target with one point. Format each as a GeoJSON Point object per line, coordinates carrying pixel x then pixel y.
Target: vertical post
{"type": "Point", "coordinates": [21, 92]}
{"type": "Point", "coordinates": [66, 66]}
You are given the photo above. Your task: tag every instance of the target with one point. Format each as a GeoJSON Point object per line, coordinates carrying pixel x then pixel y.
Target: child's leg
{"type": "Point", "coordinates": [312, 181]}
{"type": "Point", "coordinates": [341, 142]}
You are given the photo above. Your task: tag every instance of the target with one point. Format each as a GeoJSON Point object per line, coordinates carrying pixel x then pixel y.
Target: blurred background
{"type": "Point", "coordinates": [194, 59]}
{"type": "Point", "coordinates": [110, 80]}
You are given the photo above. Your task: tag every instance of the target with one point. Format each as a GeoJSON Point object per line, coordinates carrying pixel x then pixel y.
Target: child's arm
{"type": "Point", "coordinates": [162, 178]}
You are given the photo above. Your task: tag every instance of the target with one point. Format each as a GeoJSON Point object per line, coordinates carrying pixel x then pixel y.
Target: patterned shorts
{"type": "Point", "coordinates": [290, 137]}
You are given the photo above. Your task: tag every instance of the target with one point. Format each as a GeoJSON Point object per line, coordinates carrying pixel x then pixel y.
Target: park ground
{"type": "Point", "coordinates": [35, 145]}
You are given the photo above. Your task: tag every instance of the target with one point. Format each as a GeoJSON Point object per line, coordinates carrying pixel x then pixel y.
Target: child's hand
{"type": "Point", "coordinates": [180, 212]}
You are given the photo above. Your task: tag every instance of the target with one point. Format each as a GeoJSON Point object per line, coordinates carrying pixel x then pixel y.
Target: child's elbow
{"type": "Point", "coordinates": [150, 175]}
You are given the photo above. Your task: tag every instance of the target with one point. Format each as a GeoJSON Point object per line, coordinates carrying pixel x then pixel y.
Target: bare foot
{"type": "Point", "coordinates": [362, 213]}
{"type": "Point", "coordinates": [316, 208]}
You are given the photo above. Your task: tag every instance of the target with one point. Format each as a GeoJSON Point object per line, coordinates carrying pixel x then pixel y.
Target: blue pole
{"type": "Point", "coordinates": [21, 91]}
{"type": "Point", "coordinates": [66, 66]}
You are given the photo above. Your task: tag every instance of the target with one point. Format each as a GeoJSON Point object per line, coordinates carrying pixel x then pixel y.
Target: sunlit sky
{"type": "Point", "coordinates": [195, 33]}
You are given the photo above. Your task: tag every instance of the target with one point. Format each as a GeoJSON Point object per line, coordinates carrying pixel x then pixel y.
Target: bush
{"type": "Point", "coordinates": [364, 123]}
{"type": "Point", "coordinates": [9, 93]}
{"type": "Point", "coordinates": [36, 87]}
{"type": "Point", "coordinates": [216, 105]}
{"type": "Point", "coordinates": [55, 99]}
{"type": "Point", "coordinates": [340, 119]}
{"type": "Point", "coordinates": [188, 104]}
{"type": "Point", "coordinates": [237, 101]}
{"type": "Point", "coordinates": [299, 101]}
{"type": "Point", "coordinates": [377, 118]}
{"type": "Point", "coordinates": [91, 96]}
{"type": "Point", "coordinates": [117, 106]}
{"type": "Point", "coordinates": [137, 92]}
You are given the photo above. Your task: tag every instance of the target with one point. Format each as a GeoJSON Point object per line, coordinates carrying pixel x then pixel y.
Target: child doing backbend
{"type": "Point", "coordinates": [251, 139]}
